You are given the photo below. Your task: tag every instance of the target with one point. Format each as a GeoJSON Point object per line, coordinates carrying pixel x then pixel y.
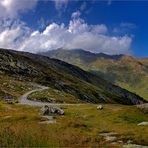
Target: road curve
{"type": "Point", "coordinates": [24, 99]}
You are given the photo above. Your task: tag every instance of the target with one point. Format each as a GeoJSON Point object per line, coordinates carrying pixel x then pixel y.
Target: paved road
{"type": "Point", "coordinates": [24, 99]}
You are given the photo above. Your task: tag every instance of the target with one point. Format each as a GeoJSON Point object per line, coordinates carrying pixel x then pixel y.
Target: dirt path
{"type": "Point", "coordinates": [24, 99]}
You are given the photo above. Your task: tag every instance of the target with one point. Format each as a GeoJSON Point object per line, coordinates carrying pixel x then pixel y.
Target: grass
{"type": "Point", "coordinates": [140, 88]}
{"type": "Point", "coordinates": [53, 94]}
{"type": "Point", "coordinates": [80, 126]}
{"type": "Point", "coordinates": [14, 88]}
{"type": "Point", "coordinates": [127, 72]}
{"type": "Point", "coordinates": [58, 75]}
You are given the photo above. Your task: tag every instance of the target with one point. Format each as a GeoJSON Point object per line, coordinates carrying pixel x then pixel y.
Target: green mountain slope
{"type": "Point", "coordinates": [64, 77]}
{"type": "Point", "coordinates": [126, 71]}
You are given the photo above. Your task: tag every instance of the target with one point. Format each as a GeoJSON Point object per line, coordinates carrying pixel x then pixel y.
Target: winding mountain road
{"type": "Point", "coordinates": [24, 99]}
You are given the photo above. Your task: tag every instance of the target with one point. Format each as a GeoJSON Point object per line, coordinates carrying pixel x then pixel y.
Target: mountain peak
{"type": "Point", "coordinates": [81, 53]}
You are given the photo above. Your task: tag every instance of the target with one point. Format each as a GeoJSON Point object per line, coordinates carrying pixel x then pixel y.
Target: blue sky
{"type": "Point", "coordinates": [113, 27]}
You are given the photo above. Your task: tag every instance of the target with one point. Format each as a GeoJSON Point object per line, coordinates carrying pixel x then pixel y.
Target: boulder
{"type": "Point", "coordinates": [51, 100]}
{"type": "Point", "coordinates": [143, 123]}
{"type": "Point", "coordinates": [46, 110]}
{"type": "Point", "coordinates": [100, 107]}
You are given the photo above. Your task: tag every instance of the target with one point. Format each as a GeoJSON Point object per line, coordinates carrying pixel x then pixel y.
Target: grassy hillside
{"type": "Point", "coordinates": [125, 71]}
{"type": "Point", "coordinates": [79, 127]}
{"type": "Point", "coordinates": [64, 77]}
{"type": "Point", "coordinates": [12, 88]}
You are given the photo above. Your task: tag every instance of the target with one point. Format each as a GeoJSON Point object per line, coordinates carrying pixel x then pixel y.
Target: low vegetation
{"type": "Point", "coordinates": [12, 88]}
{"type": "Point", "coordinates": [80, 126]}
{"type": "Point", "coordinates": [123, 70]}
{"type": "Point", "coordinates": [54, 96]}
{"type": "Point", "coordinates": [65, 77]}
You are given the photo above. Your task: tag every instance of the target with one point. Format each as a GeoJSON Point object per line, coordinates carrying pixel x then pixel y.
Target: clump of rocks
{"type": "Point", "coordinates": [48, 110]}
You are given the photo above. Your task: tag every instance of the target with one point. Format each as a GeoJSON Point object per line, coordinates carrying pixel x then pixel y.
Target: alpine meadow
{"type": "Point", "coordinates": [73, 73]}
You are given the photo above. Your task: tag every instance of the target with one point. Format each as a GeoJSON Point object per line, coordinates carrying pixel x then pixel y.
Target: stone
{"type": "Point", "coordinates": [46, 110]}
{"type": "Point", "coordinates": [120, 141]}
{"type": "Point", "coordinates": [100, 107]}
{"type": "Point", "coordinates": [143, 123]}
{"type": "Point", "coordinates": [143, 107]}
{"type": "Point", "coordinates": [51, 100]}
{"type": "Point", "coordinates": [134, 146]}
{"type": "Point", "coordinates": [108, 134]}
{"type": "Point", "coordinates": [110, 138]}
{"type": "Point", "coordinates": [129, 141]}
{"type": "Point", "coordinates": [49, 121]}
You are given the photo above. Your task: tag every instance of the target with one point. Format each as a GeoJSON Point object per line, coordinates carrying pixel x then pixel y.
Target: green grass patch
{"type": "Point", "coordinates": [80, 126]}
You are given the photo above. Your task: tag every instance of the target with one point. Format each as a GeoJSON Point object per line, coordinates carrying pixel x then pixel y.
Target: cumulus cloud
{"type": "Point", "coordinates": [11, 8]}
{"type": "Point", "coordinates": [78, 34]}
{"type": "Point", "coordinates": [12, 33]}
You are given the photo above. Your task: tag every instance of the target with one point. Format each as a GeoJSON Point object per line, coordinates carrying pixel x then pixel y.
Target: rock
{"type": "Point", "coordinates": [143, 123]}
{"type": "Point", "coordinates": [100, 107]}
{"type": "Point", "coordinates": [108, 134]}
{"type": "Point", "coordinates": [110, 138]}
{"type": "Point", "coordinates": [49, 121]}
{"type": "Point", "coordinates": [143, 107]}
{"type": "Point", "coordinates": [120, 141]}
{"type": "Point", "coordinates": [45, 110]}
{"type": "Point", "coordinates": [49, 110]}
{"type": "Point", "coordinates": [134, 146]}
{"type": "Point", "coordinates": [129, 141]}
{"type": "Point", "coordinates": [51, 100]}
{"type": "Point", "coordinates": [60, 111]}
{"type": "Point", "coordinates": [114, 143]}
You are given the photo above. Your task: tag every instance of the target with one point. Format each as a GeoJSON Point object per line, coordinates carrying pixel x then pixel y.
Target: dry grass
{"type": "Point", "coordinates": [80, 126]}
{"type": "Point", "coordinates": [10, 86]}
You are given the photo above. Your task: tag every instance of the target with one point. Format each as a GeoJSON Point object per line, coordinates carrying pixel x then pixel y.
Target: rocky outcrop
{"type": "Point", "coordinates": [46, 110]}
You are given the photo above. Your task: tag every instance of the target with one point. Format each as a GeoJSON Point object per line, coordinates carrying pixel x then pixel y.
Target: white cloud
{"type": "Point", "coordinates": [128, 25]}
{"type": "Point", "coordinates": [76, 14]}
{"type": "Point", "coordinates": [78, 34]}
{"type": "Point", "coordinates": [60, 4]}
{"type": "Point", "coordinates": [124, 27]}
{"type": "Point", "coordinates": [99, 28]}
{"type": "Point", "coordinates": [11, 8]}
{"type": "Point", "coordinates": [83, 6]}
{"type": "Point", "coordinates": [12, 33]}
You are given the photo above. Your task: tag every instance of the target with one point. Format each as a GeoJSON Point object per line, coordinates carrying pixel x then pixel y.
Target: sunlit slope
{"type": "Point", "coordinates": [126, 71]}
{"type": "Point", "coordinates": [64, 77]}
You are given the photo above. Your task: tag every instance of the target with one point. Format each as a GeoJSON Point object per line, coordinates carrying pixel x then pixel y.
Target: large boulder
{"type": "Point", "coordinates": [46, 110]}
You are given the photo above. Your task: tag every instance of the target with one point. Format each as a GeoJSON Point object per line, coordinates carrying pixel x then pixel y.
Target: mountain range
{"type": "Point", "coordinates": [62, 76]}
{"type": "Point", "coordinates": [123, 70]}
